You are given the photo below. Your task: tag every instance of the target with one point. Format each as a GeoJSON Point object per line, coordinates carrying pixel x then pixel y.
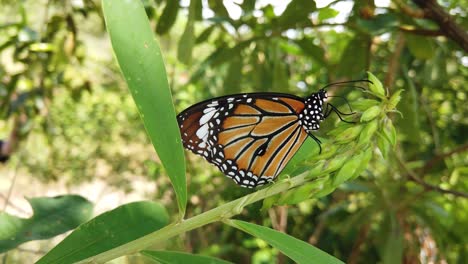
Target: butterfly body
{"type": "Point", "coordinates": [251, 137]}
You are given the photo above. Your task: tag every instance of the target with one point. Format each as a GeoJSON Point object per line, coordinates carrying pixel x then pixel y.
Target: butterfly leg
{"type": "Point", "coordinates": [318, 142]}
{"type": "Point", "coordinates": [331, 108]}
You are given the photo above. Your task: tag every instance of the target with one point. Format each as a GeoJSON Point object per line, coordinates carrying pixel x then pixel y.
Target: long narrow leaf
{"type": "Point", "coordinates": [299, 251]}
{"type": "Point", "coordinates": [107, 231]}
{"type": "Point", "coordinates": [172, 257]}
{"type": "Point", "coordinates": [52, 216]}
{"type": "Point", "coordinates": [142, 65]}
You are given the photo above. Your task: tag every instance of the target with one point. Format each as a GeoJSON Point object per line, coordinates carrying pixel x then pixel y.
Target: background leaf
{"type": "Point", "coordinates": [299, 251]}
{"type": "Point", "coordinates": [51, 216]}
{"type": "Point", "coordinates": [142, 65]}
{"type": "Point", "coordinates": [172, 257]}
{"type": "Point", "coordinates": [168, 17]}
{"type": "Point", "coordinates": [107, 231]}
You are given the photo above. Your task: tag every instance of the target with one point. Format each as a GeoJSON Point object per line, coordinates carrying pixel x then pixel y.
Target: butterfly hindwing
{"type": "Point", "coordinates": [249, 137]}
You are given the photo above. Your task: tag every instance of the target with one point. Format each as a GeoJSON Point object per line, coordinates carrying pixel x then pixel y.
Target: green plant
{"type": "Point", "coordinates": [310, 175]}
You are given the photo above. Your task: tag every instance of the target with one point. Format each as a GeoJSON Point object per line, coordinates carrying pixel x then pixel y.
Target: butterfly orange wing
{"type": "Point", "coordinates": [249, 137]}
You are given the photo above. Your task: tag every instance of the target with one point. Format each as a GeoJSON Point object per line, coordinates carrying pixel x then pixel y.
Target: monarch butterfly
{"type": "Point", "coordinates": [251, 137]}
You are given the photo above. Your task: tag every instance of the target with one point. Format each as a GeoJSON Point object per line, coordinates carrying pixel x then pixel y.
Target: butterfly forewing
{"type": "Point", "coordinates": [249, 137]}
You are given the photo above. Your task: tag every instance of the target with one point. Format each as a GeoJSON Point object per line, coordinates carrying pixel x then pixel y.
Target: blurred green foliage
{"type": "Point", "coordinates": [78, 122]}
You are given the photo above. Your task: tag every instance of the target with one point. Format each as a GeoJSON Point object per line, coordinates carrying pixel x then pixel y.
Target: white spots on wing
{"type": "Point", "coordinates": [206, 117]}
{"type": "Point", "coordinates": [213, 103]}
{"type": "Point", "coordinates": [202, 132]}
{"type": "Point", "coordinates": [249, 100]}
{"type": "Point", "coordinates": [209, 109]}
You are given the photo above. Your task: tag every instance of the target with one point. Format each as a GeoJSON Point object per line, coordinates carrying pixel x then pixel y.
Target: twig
{"type": "Point", "coordinates": [412, 12]}
{"type": "Point", "coordinates": [412, 176]}
{"type": "Point", "coordinates": [393, 65]}
{"type": "Point", "coordinates": [220, 213]}
{"type": "Point", "coordinates": [436, 13]}
{"type": "Point", "coordinates": [355, 252]}
{"type": "Point", "coordinates": [429, 164]}
{"type": "Point", "coordinates": [435, 132]}
{"type": "Point", "coordinates": [421, 31]}
{"type": "Point", "coordinates": [314, 238]}
{"type": "Point", "coordinates": [10, 189]}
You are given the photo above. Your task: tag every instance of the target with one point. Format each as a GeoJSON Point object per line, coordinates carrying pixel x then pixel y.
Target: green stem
{"type": "Point", "coordinates": [217, 214]}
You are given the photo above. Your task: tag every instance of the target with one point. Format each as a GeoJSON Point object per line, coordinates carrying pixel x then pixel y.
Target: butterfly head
{"type": "Point", "coordinates": [322, 94]}
{"type": "Point", "coordinates": [312, 114]}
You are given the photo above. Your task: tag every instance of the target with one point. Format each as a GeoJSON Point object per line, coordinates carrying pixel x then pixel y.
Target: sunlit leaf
{"type": "Point", "coordinates": [376, 85]}
{"type": "Point", "coordinates": [327, 13]}
{"type": "Point", "coordinates": [297, 13]}
{"type": "Point", "coordinates": [379, 24]}
{"type": "Point", "coordinates": [299, 251]}
{"type": "Point", "coordinates": [371, 113]}
{"type": "Point", "coordinates": [421, 47]}
{"type": "Point", "coordinates": [142, 65]}
{"type": "Point", "coordinates": [172, 257]}
{"type": "Point", "coordinates": [168, 17]}
{"type": "Point", "coordinates": [354, 59]}
{"type": "Point", "coordinates": [51, 216]}
{"type": "Point", "coordinates": [107, 231]}
{"type": "Point", "coordinates": [368, 132]}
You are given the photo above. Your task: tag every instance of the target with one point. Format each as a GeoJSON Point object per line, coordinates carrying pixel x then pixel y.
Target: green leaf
{"type": "Point", "coordinates": [299, 251]}
{"type": "Point", "coordinates": [379, 24]}
{"type": "Point", "coordinates": [371, 113]}
{"type": "Point", "coordinates": [142, 65]}
{"type": "Point", "coordinates": [394, 244]}
{"type": "Point", "coordinates": [51, 216]}
{"type": "Point", "coordinates": [394, 100]}
{"type": "Point", "coordinates": [348, 170]}
{"type": "Point", "coordinates": [168, 17]}
{"type": "Point", "coordinates": [383, 144]}
{"type": "Point", "coordinates": [354, 58]}
{"type": "Point", "coordinates": [327, 13]}
{"type": "Point", "coordinates": [173, 257]}
{"type": "Point", "coordinates": [297, 14]}
{"type": "Point", "coordinates": [363, 104]}
{"type": "Point", "coordinates": [205, 34]}
{"type": "Point", "coordinates": [376, 86]}
{"type": "Point", "coordinates": [349, 134]}
{"type": "Point", "coordinates": [421, 47]}
{"type": "Point", "coordinates": [109, 230]}
{"type": "Point", "coordinates": [368, 132]}
{"type": "Point", "coordinates": [336, 163]}
{"type": "Point", "coordinates": [410, 123]}
{"type": "Point", "coordinates": [186, 42]}
{"type": "Point", "coordinates": [390, 132]}
{"type": "Point", "coordinates": [363, 165]}
{"type": "Point", "coordinates": [233, 78]}
{"type": "Point", "coordinates": [312, 50]}
{"type": "Point", "coordinates": [280, 72]}
{"type": "Point", "coordinates": [327, 189]}
{"type": "Point", "coordinates": [303, 192]}
{"type": "Point", "coordinates": [218, 7]}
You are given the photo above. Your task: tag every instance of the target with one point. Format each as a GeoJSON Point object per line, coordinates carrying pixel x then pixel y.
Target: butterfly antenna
{"type": "Point", "coordinates": [346, 83]}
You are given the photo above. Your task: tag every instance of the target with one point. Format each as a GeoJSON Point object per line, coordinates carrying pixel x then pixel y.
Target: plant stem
{"type": "Point", "coordinates": [217, 214]}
